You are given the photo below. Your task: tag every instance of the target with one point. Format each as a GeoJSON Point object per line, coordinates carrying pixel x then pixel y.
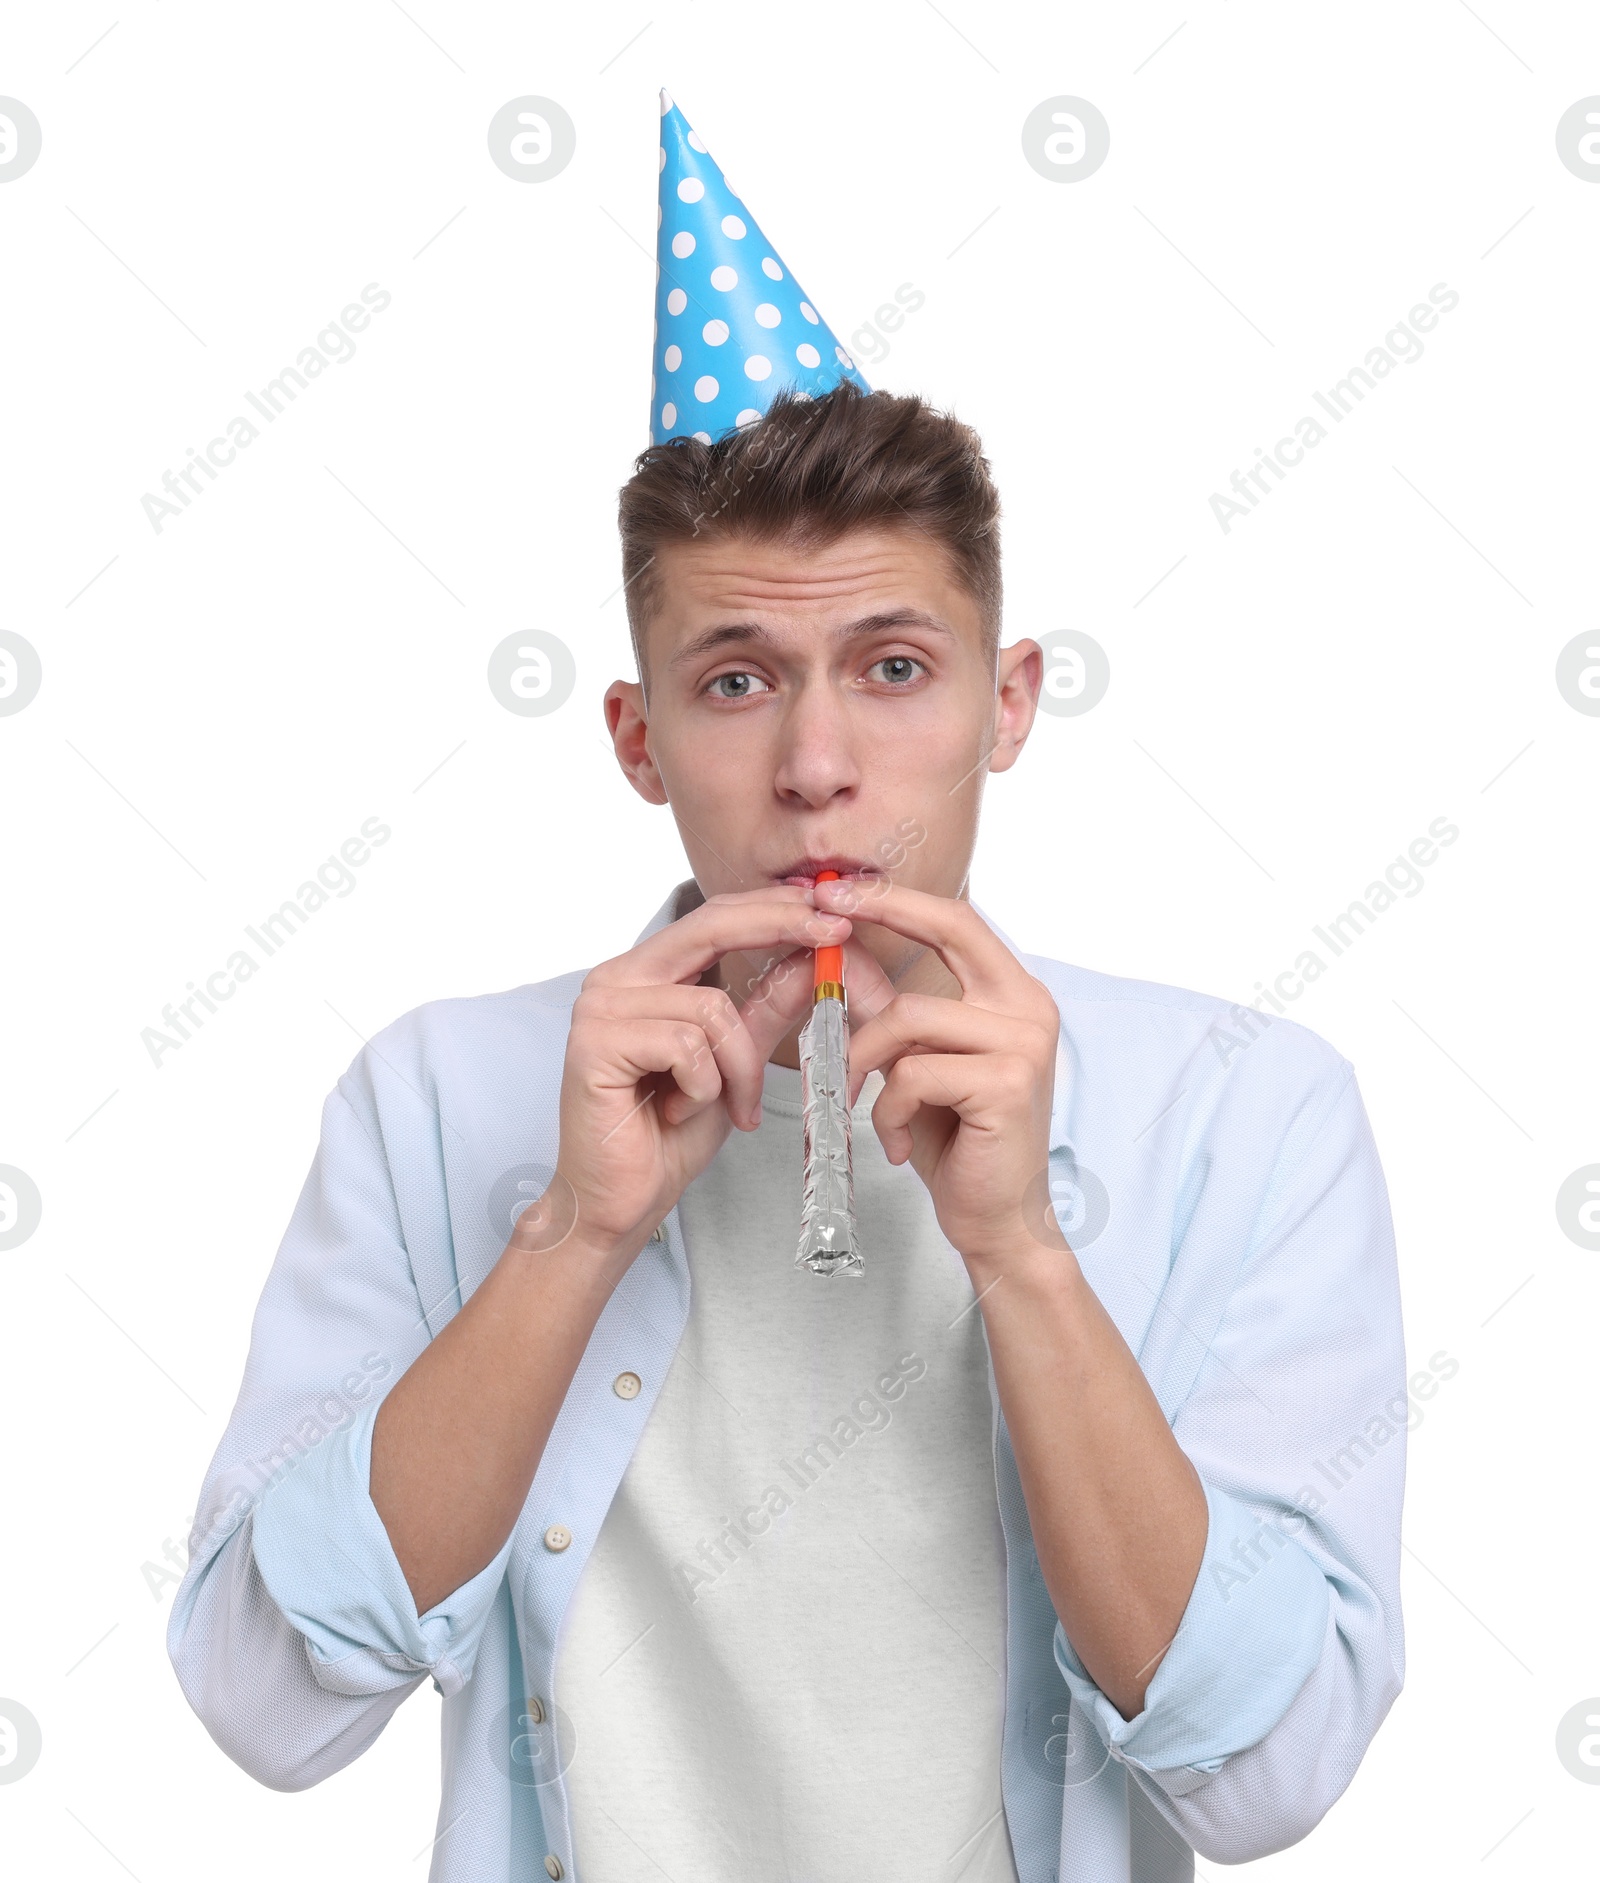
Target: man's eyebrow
{"type": "Point", "coordinates": [751, 633]}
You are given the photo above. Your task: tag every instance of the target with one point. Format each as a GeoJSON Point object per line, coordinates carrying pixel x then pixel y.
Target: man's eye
{"type": "Point", "coordinates": [898, 668]}
{"type": "Point", "coordinates": [736, 686]}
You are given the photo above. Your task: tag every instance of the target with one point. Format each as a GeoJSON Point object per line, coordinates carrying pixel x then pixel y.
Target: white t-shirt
{"type": "Point", "coordinates": [785, 1657]}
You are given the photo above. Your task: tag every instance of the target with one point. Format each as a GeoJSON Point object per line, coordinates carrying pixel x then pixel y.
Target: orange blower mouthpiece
{"type": "Point", "coordinates": [830, 959]}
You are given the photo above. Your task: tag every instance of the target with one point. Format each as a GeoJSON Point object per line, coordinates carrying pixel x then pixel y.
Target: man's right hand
{"type": "Point", "coordinates": [659, 1069]}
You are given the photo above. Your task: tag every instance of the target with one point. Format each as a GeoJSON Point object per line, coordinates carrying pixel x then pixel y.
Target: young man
{"type": "Point", "coordinates": [1018, 1556]}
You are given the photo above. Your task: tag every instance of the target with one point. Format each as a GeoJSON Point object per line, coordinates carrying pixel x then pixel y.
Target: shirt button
{"type": "Point", "coordinates": [626, 1385]}
{"type": "Point", "coordinates": [557, 1537]}
{"type": "Point", "coordinates": [552, 1863]}
{"type": "Point", "coordinates": [535, 1708]}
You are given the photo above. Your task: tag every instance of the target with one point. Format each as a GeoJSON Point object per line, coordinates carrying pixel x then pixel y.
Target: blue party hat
{"type": "Point", "coordinates": [733, 326]}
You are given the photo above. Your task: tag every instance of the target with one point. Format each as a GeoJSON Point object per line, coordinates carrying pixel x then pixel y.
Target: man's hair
{"type": "Point", "coordinates": [807, 473]}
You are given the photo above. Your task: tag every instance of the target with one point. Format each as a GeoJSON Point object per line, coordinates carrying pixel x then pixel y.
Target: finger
{"type": "Point", "coordinates": [867, 988]}
{"type": "Point", "coordinates": [916, 1094]}
{"type": "Point", "coordinates": [778, 997]}
{"type": "Point", "coordinates": [985, 967]}
{"type": "Point", "coordinates": [780, 918]}
{"type": "Point", "coordinates": [929, 1023]}
{"type": "Point", "coordinates": [737, 1054]}
{"type": "Point", "coordinates": [988, 1091]}
{"type": "Point", "coordinates": [620, 1053]}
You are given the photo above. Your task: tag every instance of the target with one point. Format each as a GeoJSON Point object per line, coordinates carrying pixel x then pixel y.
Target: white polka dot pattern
{"type": "Point", "coordinates": [724, 304]}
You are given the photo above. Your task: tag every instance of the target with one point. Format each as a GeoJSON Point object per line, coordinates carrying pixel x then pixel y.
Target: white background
{"type": "Point", "coordinates": [226, 701]}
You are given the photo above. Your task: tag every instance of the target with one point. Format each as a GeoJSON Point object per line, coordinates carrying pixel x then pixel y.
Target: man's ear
{"type": "Point", "coordinates": [1019, 676]}
{"type": "Point", "coordinates": [630, 739]}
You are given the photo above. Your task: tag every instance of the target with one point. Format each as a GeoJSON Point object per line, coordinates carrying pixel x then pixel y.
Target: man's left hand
{"type": "Point", "coordinates": [968, 1082]}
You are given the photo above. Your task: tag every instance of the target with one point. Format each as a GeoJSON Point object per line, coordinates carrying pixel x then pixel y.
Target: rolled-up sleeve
{"type": "Point", "coordinates": [326, 1559]}
{"type": "Point", "coordinates": [1247, 1641]}
{"type": "Point", "coordinates": [1290, 1650]}
{"type": "Point", "coordinates": [294, 1634]}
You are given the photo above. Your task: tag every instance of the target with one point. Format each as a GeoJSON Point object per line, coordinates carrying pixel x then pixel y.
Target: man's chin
{"type": "Point", "coordinates": [893, 953]}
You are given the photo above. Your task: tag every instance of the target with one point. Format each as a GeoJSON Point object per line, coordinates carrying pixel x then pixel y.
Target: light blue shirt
{"type": "Point", "coordinates": [1216, 1176]}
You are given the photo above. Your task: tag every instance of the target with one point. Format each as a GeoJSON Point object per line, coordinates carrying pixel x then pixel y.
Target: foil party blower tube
{"type": "Point", "coordinates": [828, 1242]}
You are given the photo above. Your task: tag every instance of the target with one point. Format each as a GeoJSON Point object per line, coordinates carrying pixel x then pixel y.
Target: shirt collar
{"type": "Point", "coordinates": [686, 896]}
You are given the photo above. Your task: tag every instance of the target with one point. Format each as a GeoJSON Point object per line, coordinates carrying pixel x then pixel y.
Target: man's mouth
{"type": "Point", "coordinates": [805, 870]}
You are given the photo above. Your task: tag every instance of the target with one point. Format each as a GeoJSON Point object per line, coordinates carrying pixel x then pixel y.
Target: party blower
{"type": "Point", "coordinates": [828, 1243]}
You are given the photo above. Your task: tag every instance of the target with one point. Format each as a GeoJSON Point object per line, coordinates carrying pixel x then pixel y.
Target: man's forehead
{"type": "Point", "coordinates": [712, 574]}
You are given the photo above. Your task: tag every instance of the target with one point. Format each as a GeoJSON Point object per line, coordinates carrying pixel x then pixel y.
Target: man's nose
{"type": "Point", "coordinates": [817, 757]}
